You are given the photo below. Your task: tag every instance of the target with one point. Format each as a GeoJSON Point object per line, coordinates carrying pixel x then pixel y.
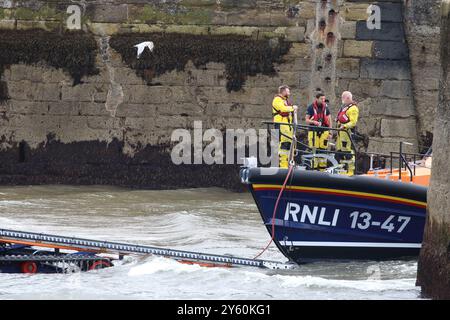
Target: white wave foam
{"type": "Point", "coordinates": [16, 203]}
{"type": "Point", "coordinates": [160, 264]}
{"type": "Point", "coordinates": [362, 285]}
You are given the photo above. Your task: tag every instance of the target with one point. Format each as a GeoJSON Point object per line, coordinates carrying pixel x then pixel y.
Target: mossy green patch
{"type": "Point", "coordinates": [197, 3]}
{"type": "Point", "coordinates": [290, 2]}
{"type": "Point", "coordinates": [199, 16]}
{"type": "Point", "coordinates": [46, 12]}
{"type": "Point", "coordinates": [242, 56]}
{"type": "Point", "coordinates": [25, 14]}
{"type": "Point", "coordinates": [74, 52]}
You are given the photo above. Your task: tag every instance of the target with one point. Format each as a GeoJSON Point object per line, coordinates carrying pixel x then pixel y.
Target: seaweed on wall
{"type": "Point", "coordinates": [74, 52]}
{"type": "Point", "coordinates": [3, 91]}
{"type": "Point", "coordinates": [242, 56]}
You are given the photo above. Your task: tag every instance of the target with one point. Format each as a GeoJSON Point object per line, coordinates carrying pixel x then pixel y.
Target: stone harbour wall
{"type": "Point", "coordinates": [374, 65]}
{"type": "Point", "coordinates": [422, 26]}
{"type": "Point", "coordinates": [434, 263]}
{"type": "Point", "coordinates": [112, 122]}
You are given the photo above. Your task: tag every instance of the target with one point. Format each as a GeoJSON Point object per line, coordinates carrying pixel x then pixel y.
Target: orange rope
{"type": "Point", "coordinates": [291, 166]}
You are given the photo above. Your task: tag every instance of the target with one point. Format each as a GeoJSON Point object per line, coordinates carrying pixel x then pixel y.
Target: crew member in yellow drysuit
{"type": "Point", "coordinates": [318, 115]}
{"type": "Point", "coordinates": [346, 119]}
{"type": "Point", "coordinates": [282, 111]}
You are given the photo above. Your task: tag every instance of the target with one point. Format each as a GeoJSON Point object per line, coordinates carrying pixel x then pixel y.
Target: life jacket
{"type": "Point", "coordinates": [342, 114]}
{"type": "Point", "coordinates": [278, 112]}
{"type": "Point", "coordinates": [320, 116]}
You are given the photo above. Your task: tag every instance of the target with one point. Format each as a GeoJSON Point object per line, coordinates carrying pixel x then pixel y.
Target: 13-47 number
{"type": "Point", "coordinates": [364, 220]}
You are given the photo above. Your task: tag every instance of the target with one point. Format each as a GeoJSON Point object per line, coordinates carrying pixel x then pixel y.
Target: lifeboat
{"type": "Point", "coordinates": [315, 215]}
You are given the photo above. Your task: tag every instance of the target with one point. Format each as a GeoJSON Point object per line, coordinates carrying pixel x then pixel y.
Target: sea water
{"type": "Point", "coordinates": [204, 220]}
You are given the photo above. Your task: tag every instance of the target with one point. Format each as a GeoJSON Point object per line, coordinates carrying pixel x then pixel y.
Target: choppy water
{"type": "Point", "coordinates": [206, 220]}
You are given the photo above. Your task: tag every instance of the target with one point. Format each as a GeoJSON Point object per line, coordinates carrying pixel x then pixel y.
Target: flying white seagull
{"type": "Point", "coordinates": [141, 47]}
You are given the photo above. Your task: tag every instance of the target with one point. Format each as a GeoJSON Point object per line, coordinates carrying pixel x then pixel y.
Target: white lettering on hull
{"type": "Point", "coordinates": [309, 215]}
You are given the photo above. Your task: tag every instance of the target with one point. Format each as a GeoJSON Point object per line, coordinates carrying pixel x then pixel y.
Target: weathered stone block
{"type": "Point", "coordinates": [235, 123]}
{"type": "Point", "coordinates": [103, 28]}
{"type": "Point", "coordinates": [20, 72]}
{"type": "Point", "coordinates": [279, 18]}
{"type": "Point", "coordinates": [262, 81]}
{"type": "Point", "coordinates": [29, 123]}
{"type": "Point", "coordinates": [354, 12]}
{"type": "Point", "coordinates": [391, 50]}
{"type": "Point", "coordinates": [385, 69]}
{"type": "Point", "coordinates": [141, 123]}
{"type": "Point", "coordinates": [234, 3]}
{"type": "Point", "coordinates": [303, 79]}
{"type": "Point", "coordinates": [249, 18]}
{"type": "Point", "coordinates": [300, 64]}
{"type": "Point", "coordinates": [28, 107]}
{"type": "Point", "coordinates": [146, 94]}
{"type": "Point", "coordinates": [85, 92]}
{"type": "Point", "coordinates": [107, 13]}
{"type": "Point", "coordinates": [206, 77]}
{"type": "Point", "coordinates": [361, 88]}
{"type": "Point", "coordinates": [238, 30]}
{"type": "Point", "coordinates": [7, 24]}
{"type": "Point", "coordinates": [391, 12]}
{"type": "Point", "coordinates": [396, 89]}
{"type": "Point", "coordinates": [179, 94]}
{"type": "Point", "coordinates": [307, 10]}
{"type": "Point", "coordinates": [225, 110]}
{"type": "Point", "coordinates": [425, 50]}
{"type": "Point", "coordinates": [348, 30]}
{"type": "Point", "coordinates": [33, 91]}
{"type": "Point", "coordinates": [426, 105]}
{"type": "Point", "coordinates": [300, 50]}
{"type": "Point", "coordinates": [93, 109]}
{"type": "Point", "coordinates": [173, 121]}
{"type": "Point", "coordinates": [95, 122]}
{"type": "Point", "coordinates": [364, 107]}
{"type": "Point", "coordinates": [389, 31]}
{"type": "Point", "coordinates": [44, 25]}
{"type": "Point", "coordinates": [387, 145]}
{"type": "Point", "coordinates": [402, 108]}
{"type": "Point", "coordinates": [189, 29]}
{"type": "Point", "coordinates": [138, 110]}
{"type": "Point", "coordinates": [261, 95]}
{"type": "Point", "coordinates": [215, 66]}
{"type": "Point", "coordinates": [35, 73]}
{"type": "Point", "coordinates": [64, 108]}
{"type": "Point", "coordinates": [122, 75]}
{"type": "Point", "coordinates": [245, 96]}
{"type": "Point", "coordinates": [404, 128]}
{"type": "Point", "coordinates": [369, 125]}
{"type": "Point", "coordinates": [134, 138]}
{"type": "Point", "coordinates": [354, 48]}
{"type": "Point", "coordinates": [255, 111]}
{"type": "Point", "coordinates": [295, 34]}
{"type": "Point", "coordinates": [420, 72]}
{"type": "Point", "coordinates": [182, 109]}
{"type": "Point", "coordinates": [140, 28]}
{"type": "Point", "coordinates": [347, 68]}
{"type": "Point", "coordinates": [426, 84]}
